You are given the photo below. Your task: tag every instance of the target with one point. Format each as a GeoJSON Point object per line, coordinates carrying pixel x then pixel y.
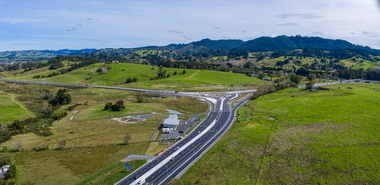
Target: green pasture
{"type": "Point", "coordinates": [10, 110]}
{"type": "Point", "coordinates": [217, 77]}
{"type": "Point", "coordinates": [323, 137]}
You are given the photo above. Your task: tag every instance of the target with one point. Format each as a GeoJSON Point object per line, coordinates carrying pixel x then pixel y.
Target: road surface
{"type": "Point", "coordinates": [172, 163]}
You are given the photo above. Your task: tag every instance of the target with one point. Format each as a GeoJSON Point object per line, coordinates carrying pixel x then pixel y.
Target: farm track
{"type": "Point", "coordinates": [14, 101]}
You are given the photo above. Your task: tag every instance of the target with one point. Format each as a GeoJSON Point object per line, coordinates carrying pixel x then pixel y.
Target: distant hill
{"type": "Point", "coordinates": [40, 53]}
{"type": "Point", "coordinates": [208, 47]}
{"type": "Point", "coordinates": [265, 44]}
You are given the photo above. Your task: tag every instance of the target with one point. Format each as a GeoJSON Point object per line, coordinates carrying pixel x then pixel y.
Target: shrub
{"type": "Point", "coordinates": [11, 174]}
{"type": "Point", "coordinates": [309, 85]}
{"type": "Point", "coordinates": [140, 97]}
{"type": "Point", "coordinates": [62, 98]}
{"type": "Point", "coordinates": [129, 80]}
{"type": "Point", "coordinates": [295, 78]}
{"type": "Point", "coordinates": [108, 106]}
{"type": "Point", "coordinates": [116, 107]}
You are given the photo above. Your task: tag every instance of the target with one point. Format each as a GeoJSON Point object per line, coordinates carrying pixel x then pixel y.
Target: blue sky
{"type": "Point", "coordinates": [73, 24]}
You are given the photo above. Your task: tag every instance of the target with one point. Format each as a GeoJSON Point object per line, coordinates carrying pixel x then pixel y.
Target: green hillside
{"type": "Point", "coordinates": [192, 80]}
{"type": "Point", "coordinates": [323, 137]}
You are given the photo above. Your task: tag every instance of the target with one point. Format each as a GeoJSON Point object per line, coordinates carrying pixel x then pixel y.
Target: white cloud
{"type": "Point", "coordinates": [125, 24]}
{"type": "Point", "coordinates": [71, 29]}
{"type": "Point", "coordinates": [298, 15]}
{"type": "Point", "coordinates": [176, 31]}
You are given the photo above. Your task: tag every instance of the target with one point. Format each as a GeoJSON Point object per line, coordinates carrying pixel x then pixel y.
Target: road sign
{"type": "Point", "coordinates": [127, 166]}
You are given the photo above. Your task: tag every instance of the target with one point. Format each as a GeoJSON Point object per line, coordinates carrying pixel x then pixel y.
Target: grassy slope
{"type": "Point", "coordinates": [10, 110]}
{"type": "Point", "coordinates": [217, 77]}
{"type": "Point", "coordinates": [72, 165]}
{"type": "Point", "coordinates": [30, 74]}
{"type": "Point", "coordinates": [323, 137]}
{"type": "Point", "coordinates": [143, 73]}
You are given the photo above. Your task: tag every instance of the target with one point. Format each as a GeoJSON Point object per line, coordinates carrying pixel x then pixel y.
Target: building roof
{"type": "Point", "coordinates": [172, 120]}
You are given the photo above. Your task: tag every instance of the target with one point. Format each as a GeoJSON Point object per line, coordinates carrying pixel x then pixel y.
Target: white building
{"type": "Point", "coordinates": [171, 122]}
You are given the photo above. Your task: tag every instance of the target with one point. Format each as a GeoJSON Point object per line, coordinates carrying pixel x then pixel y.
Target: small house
{"type": "Point", "coordinates": [115, 62]}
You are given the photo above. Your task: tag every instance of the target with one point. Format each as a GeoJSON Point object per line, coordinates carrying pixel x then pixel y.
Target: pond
{"type": "Point", "coordinates": [173, 111]}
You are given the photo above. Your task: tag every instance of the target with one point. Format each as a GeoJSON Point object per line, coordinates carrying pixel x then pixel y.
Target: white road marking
{"type": "Point", "coordinates": [165, 161]}
{"type": "Point", "coordinates": [221, 104]}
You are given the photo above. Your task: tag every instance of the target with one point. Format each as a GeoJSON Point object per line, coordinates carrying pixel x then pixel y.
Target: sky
{"type": "Point", "coordinates": [73, 24]}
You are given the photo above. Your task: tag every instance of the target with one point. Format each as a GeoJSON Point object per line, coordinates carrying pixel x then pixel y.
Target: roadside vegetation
{"type": "Point", "coordinates": [82, 130]}
{"type": "Point", "coordinates": [299, 137]}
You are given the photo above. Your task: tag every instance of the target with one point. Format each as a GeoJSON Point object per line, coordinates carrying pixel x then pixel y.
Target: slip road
{"type": "Point", "coordinates": [172, 162]}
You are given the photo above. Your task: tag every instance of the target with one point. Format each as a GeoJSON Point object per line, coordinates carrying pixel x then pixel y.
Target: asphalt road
{"type": "Point", "coordinates": [173, 162]}
{"type": "Point", "coordinates": [123, 88]}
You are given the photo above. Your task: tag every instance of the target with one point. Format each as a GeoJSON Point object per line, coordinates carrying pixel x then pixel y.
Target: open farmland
{"type": "Point", "coordinates": [72, 165]}
{"type": "Point", "coordinates": [88, 132]}
{"type": "Point", "coordinates": [193, 80]}
{"type": "Point", "coordinates": [299, 137]}
{"type": "Point", "coordinates": [11, 109]}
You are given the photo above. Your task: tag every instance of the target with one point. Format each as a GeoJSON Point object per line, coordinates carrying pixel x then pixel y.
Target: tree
{"type": "Point", "coordinates": [108, 106]}
{"type": "Point", "coordinates": [116, 107]}
{"type": "Point", "coordinates": [62, 98]}
{"type": "Point", "coordinates": [309, 85]}
{"type": "Point", "coordinates": [311, 77]}
{"type": "Point", "coordinates": [140, 97]}
{"type": "Point", "coordinates": [129, 80]}
{"type": "Point", "coordinates": [135, 80]}
{"type": "Point", "coordinates": [11, 173]}
{"type": "Point", "coordinates": [184, 72]}
{"type": "Point", "coordinates": [295, 78]}
{"type": "Point", "coordinates": [18, 125]}
{"type": "Point", "coordinates": [261, 75]}
{"type": "Point", "coordinates": [120, 103]}
{"type": "Point", "coordinates": [127, 138]}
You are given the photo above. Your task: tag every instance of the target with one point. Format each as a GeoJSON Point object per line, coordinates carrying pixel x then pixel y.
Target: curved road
{"type": "Point", "coordinates": [173, 163]}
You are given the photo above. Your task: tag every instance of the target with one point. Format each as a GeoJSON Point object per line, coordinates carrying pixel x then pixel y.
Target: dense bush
{"type": "Point", "coordinates": [116, 107]}
{"type": "Point", "coordinates": [62, 98]}
{"type": "Point", "coordinates": [108, 106]}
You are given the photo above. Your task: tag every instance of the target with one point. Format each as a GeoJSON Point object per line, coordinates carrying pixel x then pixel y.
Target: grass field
{"type": "Point", "coordinates": [217, 77]}
{"type": "Point", "coordinates": [11, 109]}
{"type": "Point", "coordinates": [30, 74]}
{"type": "Point", "coordinates": [116, 174]}
{"type": "Point", "coordinates": [70, 166]}
{"type": "Point", "coordinates": [155, 147]}
{"type": "Point", "coordinates": [190, 81]}
{"type": "Point", "coordinates": [324, 137]}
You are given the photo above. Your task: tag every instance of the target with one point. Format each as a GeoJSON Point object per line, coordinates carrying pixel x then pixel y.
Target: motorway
{"type": "Point", "coordinates": [125, 88]}
{"type": "Point", "coordinates": [172, 163]}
